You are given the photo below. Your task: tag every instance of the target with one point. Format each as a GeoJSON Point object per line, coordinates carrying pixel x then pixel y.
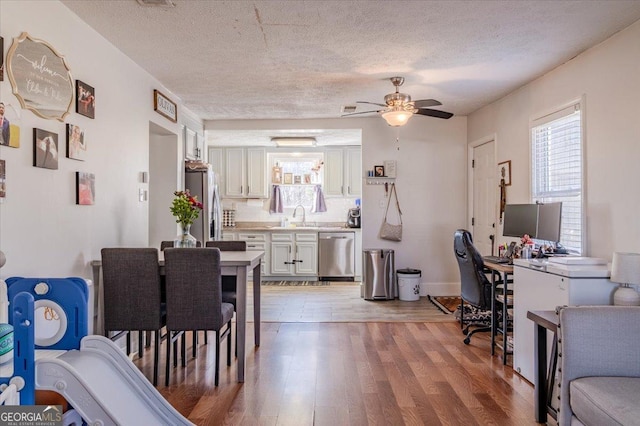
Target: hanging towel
{"type": "Point", "coordinates": [276, 200]}
{"type": "Point", "coordinates": [319, 205]}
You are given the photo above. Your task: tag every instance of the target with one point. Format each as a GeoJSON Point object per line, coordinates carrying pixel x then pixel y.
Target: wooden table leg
{"type": "Point", "coordinates": [494, 313]}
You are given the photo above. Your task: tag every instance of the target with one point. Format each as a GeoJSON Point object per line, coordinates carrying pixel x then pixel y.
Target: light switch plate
{"type": "Point", "coordinates": [142, 195]}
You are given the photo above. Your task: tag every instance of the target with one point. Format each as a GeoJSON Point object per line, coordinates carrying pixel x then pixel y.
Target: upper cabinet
{"type": "Point", "coordinates": [245, 172]}
{"type": "Point", "coordinates": [193, 144]}
{"type": "Point", "coordinates": [343, 172]}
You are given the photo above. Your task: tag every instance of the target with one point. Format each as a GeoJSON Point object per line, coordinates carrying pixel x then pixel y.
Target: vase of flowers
{"type": "Point", "coordinates": [186, 208]}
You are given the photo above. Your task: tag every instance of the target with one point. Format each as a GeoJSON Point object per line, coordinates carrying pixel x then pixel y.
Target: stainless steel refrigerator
{"type": "Point", "coordinates": [201, 180]}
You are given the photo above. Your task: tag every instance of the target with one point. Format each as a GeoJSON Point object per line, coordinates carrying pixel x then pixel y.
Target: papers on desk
{"type": "Point", "coordinates": [577, 260]}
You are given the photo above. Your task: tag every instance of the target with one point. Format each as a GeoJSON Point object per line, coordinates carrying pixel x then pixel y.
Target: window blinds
{"type": "Point", "coordinates": [556, 172]}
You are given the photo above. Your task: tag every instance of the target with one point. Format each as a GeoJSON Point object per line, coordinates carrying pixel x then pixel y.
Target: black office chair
{"type": "Point", "coordinates": [475, 288]}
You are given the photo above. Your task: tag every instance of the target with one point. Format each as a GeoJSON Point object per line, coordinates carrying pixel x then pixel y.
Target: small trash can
{"type": "Point", "coordinates": [409, 284]}
{"type": "Point", "coordinates": [378, 280]}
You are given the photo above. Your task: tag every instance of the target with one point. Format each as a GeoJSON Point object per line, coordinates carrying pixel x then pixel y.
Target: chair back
{"type": "Point", "coordinates": [167, 244]}
{"type": "Point", "coordinates": [132, 289]}
{"type": "Point", "coordinates": [228, 245]}
{"type": "Point", "coordinates": [475, 288]}
{"type": "Point", "coordinates": [194, 293]}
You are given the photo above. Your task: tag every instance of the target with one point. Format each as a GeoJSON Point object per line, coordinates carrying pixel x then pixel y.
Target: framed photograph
{"type": "Point", "coordinates": [165, 106]}
{"type": "Point", "coordinates": [276, 175]}
{"type": "Point", "coordinates": [504, 172]}
{"type": "Point", "coordinates": [85, 99]}
{"type": "Point", "coordinates": [76, 147]}
{"type": "Point", "coordinates": [3, 180]}
{"type": "Point", "coordinates": [288, 178]}
{"type": "Point", "coordinates": [85, 189]}
{"type": "Point", "coordinates": [45, 149]}
{"type": "Point", "coordinates": [1, 59]}
{"type": "Point", "coordinates": [297, 179]}
{"type": "Point", "coordinates": [307, 178]}
{"type": "Point", "coordinates": [378, 171]}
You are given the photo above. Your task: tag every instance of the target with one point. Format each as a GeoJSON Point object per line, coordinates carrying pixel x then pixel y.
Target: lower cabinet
{"type": "Point", "coordinates": [256, 241]}
{"type": "Point", "coordinates": [294, 254]}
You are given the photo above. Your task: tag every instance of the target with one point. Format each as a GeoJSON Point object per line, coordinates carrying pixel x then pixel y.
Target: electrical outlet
{"type": "Point", "coordinates": [142, 195]}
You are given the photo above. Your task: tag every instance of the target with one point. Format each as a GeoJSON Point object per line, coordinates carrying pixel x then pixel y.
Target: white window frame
{"type": "Point", "coordinates": [280, 157]}
{"type": "Point", "coordinates": [575, 106]}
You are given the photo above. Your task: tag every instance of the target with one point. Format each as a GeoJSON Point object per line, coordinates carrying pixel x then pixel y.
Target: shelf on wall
{"type": "Point", "coordinates": [379, 180]}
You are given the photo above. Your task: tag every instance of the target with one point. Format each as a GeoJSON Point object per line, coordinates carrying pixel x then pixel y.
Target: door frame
{"type": "Point", "coordinates": [470, 147]}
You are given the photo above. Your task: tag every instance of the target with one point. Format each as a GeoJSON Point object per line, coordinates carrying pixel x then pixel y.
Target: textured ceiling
{"type": "Point", "coordinates": [306, 59]}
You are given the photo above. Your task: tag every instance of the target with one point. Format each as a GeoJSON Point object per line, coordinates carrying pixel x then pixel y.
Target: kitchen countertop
{"type": "Point", "coordinates": [275, 226]}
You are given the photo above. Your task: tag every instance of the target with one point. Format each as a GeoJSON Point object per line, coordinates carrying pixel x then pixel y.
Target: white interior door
{"type": "Point", "coordinates": [484, 197]}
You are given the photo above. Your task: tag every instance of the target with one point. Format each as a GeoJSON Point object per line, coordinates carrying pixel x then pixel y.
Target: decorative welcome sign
{"type": "Point", "coordinates": [165, 106]}
{"type": "Point", "coordinates": [40, 77]}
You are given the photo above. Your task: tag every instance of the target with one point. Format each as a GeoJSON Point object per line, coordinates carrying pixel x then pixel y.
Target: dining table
{"type": "Point", "coordinates": [233, 263]}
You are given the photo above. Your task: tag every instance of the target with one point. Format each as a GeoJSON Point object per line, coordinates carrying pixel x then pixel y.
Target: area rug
{"type": "Point", "coordinates": [451, 305]}
{"type": "Point", "coordinates": [296, 283]}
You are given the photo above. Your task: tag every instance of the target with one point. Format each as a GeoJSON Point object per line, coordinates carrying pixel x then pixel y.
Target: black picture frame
{"type": "Point", "coordinates": [378, 171]}
{"type": "Point", "coordinates": [85, 99]}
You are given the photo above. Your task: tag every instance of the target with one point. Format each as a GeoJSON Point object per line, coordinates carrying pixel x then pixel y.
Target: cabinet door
{"type": "Point", "coordinates": [306, 257]}
{"type": "Point", "coordinates": [333, 172]}
{"type": "Point", "coordinates": [235, 166]}
{"type": "Point", "coordinates": [257, 173]}
{"type": "Point", "coordinates": [215, 157]}
{"type": "Point", "coordinates": [190, 144]}
{"type": "Point", "coordinates": [281, 258]}
{"type": "Point", "coordinates": [353, 173]}
{"type": "Point", "coordinates": [532, 291]}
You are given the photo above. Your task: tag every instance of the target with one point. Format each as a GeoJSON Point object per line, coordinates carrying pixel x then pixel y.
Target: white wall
{"type": "Point", "coordinates": [42, 231]}
{"type": "Point", "coordinates": [608, 76]}
{"type": "Point", "coordinates": [431, 186]}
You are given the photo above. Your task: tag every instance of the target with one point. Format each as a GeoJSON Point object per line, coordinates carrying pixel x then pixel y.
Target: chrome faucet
{"type": "Point", "coordinates": [304, 214]}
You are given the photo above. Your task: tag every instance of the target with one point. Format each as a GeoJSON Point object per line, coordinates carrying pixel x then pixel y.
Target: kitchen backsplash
{"type": "Point", "coordinates": [257, 210]}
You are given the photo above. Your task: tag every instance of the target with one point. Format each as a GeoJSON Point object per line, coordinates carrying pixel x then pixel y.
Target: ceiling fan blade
{"type": "Point", "coordinates": [358, 113]}
{"type": "Point", "coordinates": [371, 103]}
{"type": "Point", "coordinates": [425, 103]}
{"type": "Point", "coordinates": [434, 113]}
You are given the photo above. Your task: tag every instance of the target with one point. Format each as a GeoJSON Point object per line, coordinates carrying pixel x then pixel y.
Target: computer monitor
{"type": "Point", "coordinates": [549, 222]}
{"type": "Point", "coordinates": [520, 219]}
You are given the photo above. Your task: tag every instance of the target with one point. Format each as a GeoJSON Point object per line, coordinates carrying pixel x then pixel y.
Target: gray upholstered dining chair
{"type": "Point", "coordinates": [194, 297]}
{"type": "Point", "coordinates": [132, 296]}
{"type": "Point", "coordinates": [229, 282]}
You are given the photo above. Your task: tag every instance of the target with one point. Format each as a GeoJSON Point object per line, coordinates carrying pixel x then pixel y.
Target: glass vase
{"type": "Point", "coordinates": [185, 239]}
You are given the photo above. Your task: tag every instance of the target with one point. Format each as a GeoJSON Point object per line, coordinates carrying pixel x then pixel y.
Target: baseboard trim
{"type": "Point", "coordinates": [439, 289]}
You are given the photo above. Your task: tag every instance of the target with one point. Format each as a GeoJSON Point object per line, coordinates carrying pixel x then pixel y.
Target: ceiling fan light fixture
{"type": "Point", "coordinates": [294, 141]}
{"type": "Point", "coordinates": [397, 117]}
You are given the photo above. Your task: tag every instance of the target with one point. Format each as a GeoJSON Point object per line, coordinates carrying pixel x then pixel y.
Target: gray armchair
{"type": "Point", "coordinates": [599, 365]}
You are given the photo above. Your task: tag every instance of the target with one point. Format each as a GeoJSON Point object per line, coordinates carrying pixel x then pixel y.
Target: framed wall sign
{"type": "Point", "coordinates": [40, 78]}
{"type": "Point", "coordinates": [164, 106]}
{"type": "Point", "coordinates": [85, 99]}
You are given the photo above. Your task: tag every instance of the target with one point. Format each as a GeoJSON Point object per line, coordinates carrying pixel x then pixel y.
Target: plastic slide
{"type": "Point", "coordinates": [104, 386]}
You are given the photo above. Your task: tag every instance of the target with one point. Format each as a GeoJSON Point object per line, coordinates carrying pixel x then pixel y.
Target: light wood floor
{"type": "Point", "coordinates": [351, 373]}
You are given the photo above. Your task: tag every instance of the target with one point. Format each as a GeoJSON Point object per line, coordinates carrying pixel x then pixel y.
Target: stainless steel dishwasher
{"type": "Point", "coordinates": [336, 256]}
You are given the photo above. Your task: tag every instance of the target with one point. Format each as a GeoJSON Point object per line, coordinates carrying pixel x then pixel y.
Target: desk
{"type": "Point", "coordinates": [237, 263]}
{"type": "Point", "coordinates": [544, 379]}
{"type": "Point", "coordinates": [500, 272]}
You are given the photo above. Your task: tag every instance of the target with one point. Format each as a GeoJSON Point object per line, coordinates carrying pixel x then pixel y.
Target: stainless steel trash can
{"type": "Point", "coordinates": [378, 274]}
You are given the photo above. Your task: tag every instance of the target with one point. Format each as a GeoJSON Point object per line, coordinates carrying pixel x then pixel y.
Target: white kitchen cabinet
{"type": "Point", "coordinates": [245, 173]}
{"type": "Point", "coordinates": [333, 172]}
{"type": "Point", "coordinates": [353, 172]}
{"type": "Point", "coordinates": [343, 172]}
{"type": "Point", "coordinates": [258, 241]}
{"type": "Point", "coordinates": [541, 286]}
{"type": "Point", "coordinates": [294, 254]}
{"type": "Point", "coordinates": [215, 157]}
